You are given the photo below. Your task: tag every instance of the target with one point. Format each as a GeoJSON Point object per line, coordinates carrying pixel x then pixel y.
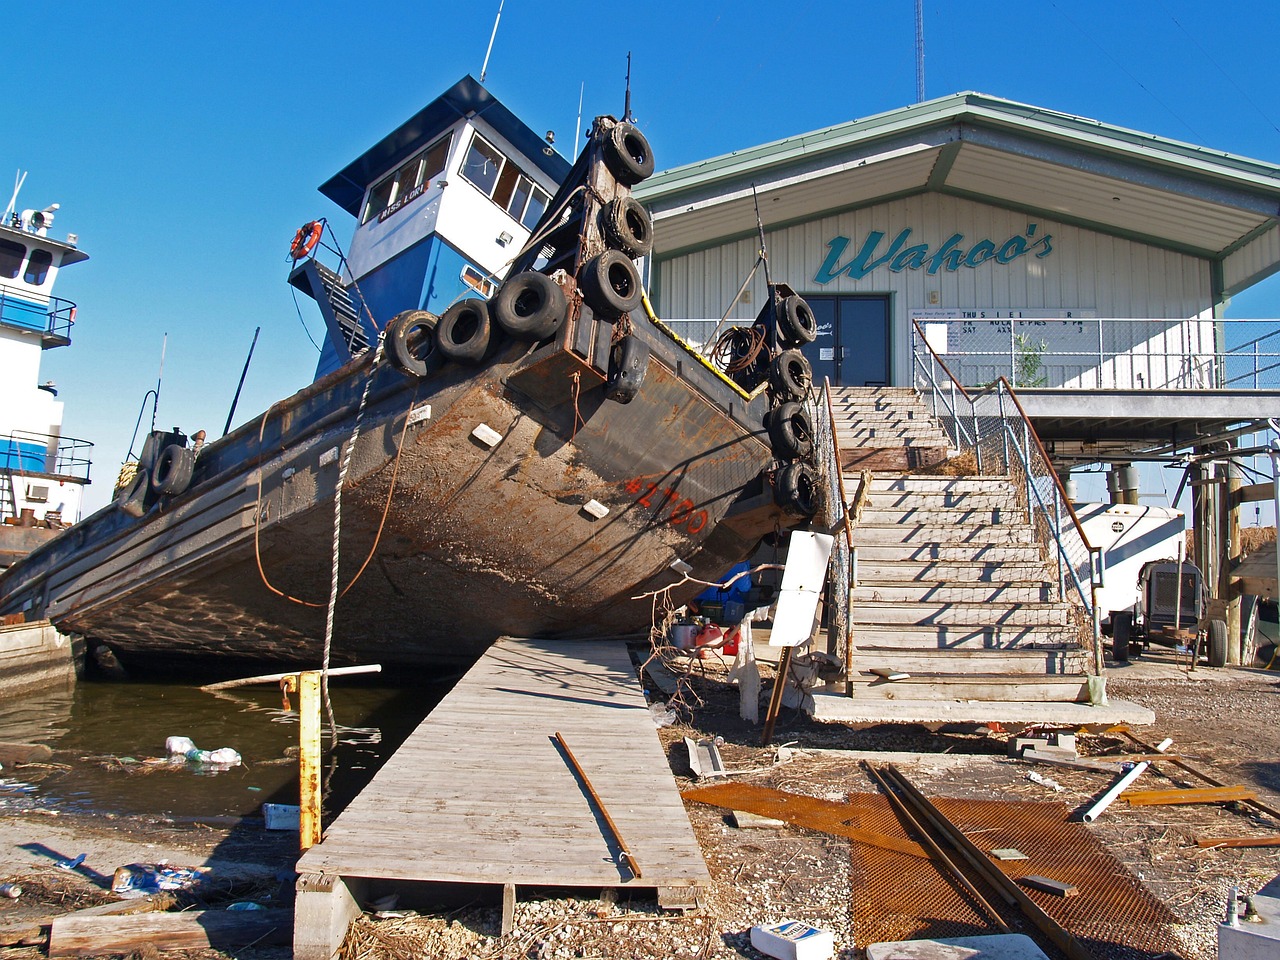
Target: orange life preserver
{"type": "Point", "coordinates": [305, 240]}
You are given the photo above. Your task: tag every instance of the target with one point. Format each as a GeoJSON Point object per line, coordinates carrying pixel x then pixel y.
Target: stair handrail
{"type": "Point", "coordinates": [842, 570]}
{"type": "Point", "coordinates": [960, 436]}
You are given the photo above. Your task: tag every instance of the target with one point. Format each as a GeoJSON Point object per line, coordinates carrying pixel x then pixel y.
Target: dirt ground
{"type": "Point", "coordinates": [1224, 721]}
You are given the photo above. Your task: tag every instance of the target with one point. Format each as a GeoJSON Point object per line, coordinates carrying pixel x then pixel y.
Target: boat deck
{"type": "Point", "coordinates": [481, 793]}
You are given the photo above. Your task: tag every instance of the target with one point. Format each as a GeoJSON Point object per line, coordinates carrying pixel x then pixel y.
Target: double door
{"type": "Point", "coordinates": [852, 345]}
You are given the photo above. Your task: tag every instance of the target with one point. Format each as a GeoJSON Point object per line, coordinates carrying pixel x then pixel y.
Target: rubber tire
{"type": "Point", "coordinates": [529, 306]}
{"type": "Point", "coordinates": [411, 340]}
{"type": "Point", "coordinates": [791, 375]}
{"type": "Point", "coordinates": [627, 154]}
{"type": "Point", "coordinates": [790, 431]}
{"type": "Point", "coordinates": [795, 490]}
{"type": "Point", "coordinates": [132, 500]}
{"type": "Point", "coordinates": [628, 364]}
{"type": "Point", "coordinates": [172, 472]}
{"type": "Point", "coordinates": [1121, 631]}
{"type": "Point", "coordinates": [628, 226]}
{"type": "Point", "coordinates": [465, 332]}
{"type": "Point", "coordinates": [796, 322]}
{"type": "Point", "coordinates": [610, 284]}
{"type": "Point", "coordinates": [1216, 645]}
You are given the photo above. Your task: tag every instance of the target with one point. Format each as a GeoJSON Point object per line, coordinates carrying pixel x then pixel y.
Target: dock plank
{"type": "Point", "coordinates": [481, 792]}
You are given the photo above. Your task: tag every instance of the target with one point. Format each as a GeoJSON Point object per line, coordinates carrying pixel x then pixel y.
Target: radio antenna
{"type": "Point", "coordinates": [577, 131]}
{"type": "Point", "coordinates": [496, 20]}
{"type": "Point", "coordinates": [12, 208]}
{"type": "Point", "coordinates": [626, 109]}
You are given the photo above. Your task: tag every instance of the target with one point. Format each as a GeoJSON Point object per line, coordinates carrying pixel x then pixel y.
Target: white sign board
{"type": "Point", "coordinates": [802, 580]}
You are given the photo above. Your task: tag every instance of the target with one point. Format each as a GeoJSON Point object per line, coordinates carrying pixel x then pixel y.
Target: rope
{"type": "Point", "coordinates": [739, 348]}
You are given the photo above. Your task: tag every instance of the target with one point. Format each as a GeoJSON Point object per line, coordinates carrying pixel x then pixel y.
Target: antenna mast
{"type": "Point", "coordinates": [577, 131]}
{"type": "Point", "coordinates": [12, 208]}
{"type": "Point", "coordinates": [626, 110]}
{"type": "Point", "coordinates": [919, 51]}
{"type": "Point", "coordinates": [496, 20]}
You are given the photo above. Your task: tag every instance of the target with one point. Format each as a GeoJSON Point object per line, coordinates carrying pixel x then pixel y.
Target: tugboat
{"type": "Point", "coordinates": [42, 473]}
{"type": "Point", "coordinates": [502, 437]}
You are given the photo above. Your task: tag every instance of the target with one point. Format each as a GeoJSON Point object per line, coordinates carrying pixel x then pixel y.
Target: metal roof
{"type": "Point", "coordinates": [466, 98]}
{"type": "Point", "coordinates": [1072, 169]}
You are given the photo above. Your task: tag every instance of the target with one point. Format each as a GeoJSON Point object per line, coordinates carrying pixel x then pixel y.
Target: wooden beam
{"type": "Point", "coordinates": [1254, 492]}
{"type": "Point", "coordinates": [1147, 798]}
{"type": "Point", "coordinates": [229, 930]}
{"type": "Point", "coordinates": [1200, 774]}
{"type": "Point", "coordinates": [1271, 841]}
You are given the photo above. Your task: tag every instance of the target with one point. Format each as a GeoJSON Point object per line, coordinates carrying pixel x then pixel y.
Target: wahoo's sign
{"type": "Point", "coordinates": [950, 255]}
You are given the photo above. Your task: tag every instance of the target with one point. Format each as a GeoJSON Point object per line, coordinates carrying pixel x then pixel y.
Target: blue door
{"type": "Point", "coordinates": [852, 345]}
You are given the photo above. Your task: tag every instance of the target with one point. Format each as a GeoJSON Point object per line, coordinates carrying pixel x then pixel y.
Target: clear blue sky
{"type": "Point", "coordinates": [185, 142]}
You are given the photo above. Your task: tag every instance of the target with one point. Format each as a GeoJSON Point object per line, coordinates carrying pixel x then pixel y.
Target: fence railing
{"type": "Point", "coordinates": [991, 425]}
{"type": "Point", "coordinates": [52, 316]}
{"type": "Point", "coordinates": [25, 451]}
{"type": "Point", "coordinates": [1110, 353]}
{"type": "Point", "coordinates": [836, 519]}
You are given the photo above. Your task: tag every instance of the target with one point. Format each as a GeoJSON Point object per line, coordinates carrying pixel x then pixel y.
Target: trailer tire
{"type": "Point", "coordinates": [796, 322]}
{"type": "Point", "coordinates": [611, 284]}
{"type": "Point", "coordinates": [465, 333]}
{"type": "Point", "coordinates": [411, 336]}
{"type": "Point", "coordinates": [628, 226]}
{"type": "Point", "coordinates": [795, 490]}
{"type": "Point", "coordinates": [790, 431]}
{"type": "Point", "coordinates": [1217, 643]}
{"type": "Point", "coordinates": [1121, 631]}
{"type": "Point", "coordinates": [529, 306]}
{"type": "Point", "coordinates": [171, 474]}
{"type": "Point", "coordinates": [791, 375]}
{"type": "Point", "coordinates": [627, 154]}
{"type": "Point", "coordinates": [628, 363]}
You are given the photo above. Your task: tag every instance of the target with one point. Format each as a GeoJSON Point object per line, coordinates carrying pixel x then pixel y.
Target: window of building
{"type": "Point", "coordinates": [398, 187]}
{"type": "Point", "coordinates": [503, 182]}
{"type": "Point", "coordinates": [38, 267]}
{"type": "Point", "coordinates": [11, 255]}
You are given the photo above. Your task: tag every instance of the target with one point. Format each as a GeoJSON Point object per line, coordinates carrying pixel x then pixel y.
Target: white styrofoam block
{"type": "Point", "coordinates": [487, 435]}
{"type": "Point", "coordinates": [680, 567]}
{"type": "Point", "coordinates": [793, 940]}
{"type": "Point", "coordinates": [596, 509]}
{"type": "Point", "coordinates": [419, 413]}
{"type": "Point", "coordinates": [329, 456]}
{"type": "Point", "coordinates": [281, 816]}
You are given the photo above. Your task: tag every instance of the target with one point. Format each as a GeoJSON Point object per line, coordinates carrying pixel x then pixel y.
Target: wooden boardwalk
{"type": "Point", "coordinates": [480, 792]}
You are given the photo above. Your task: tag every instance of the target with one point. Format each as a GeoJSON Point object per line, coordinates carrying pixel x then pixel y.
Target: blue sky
{"type": "Point", "coordinates": [185, 142]}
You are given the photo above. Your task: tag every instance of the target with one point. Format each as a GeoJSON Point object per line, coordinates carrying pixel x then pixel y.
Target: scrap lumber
{"type": "Point", "coordinates": [1148, 798]}
{"type": "Point", "coordinates": [1044, 884]}
{"type": "Point", "coordinates": [1196, 772]}
{"type": "Point", "coordinates": [627, 856]}
{"type": "Point", "coordinates": [1271, 841]}
{"type": "Point", "coordinates": [79, 936]}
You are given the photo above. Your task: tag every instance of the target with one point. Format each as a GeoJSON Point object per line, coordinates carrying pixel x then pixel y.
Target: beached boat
{"type": "Point", "coordinates": [42, 473]}
{"type": "Point", "coordinates": [502, 437]}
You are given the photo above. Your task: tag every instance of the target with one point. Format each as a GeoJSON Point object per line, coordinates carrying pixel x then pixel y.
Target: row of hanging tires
{"type": "Point", "coordinates": [790, 427]}
{"type": "Point", "coordinates": [165, 468]}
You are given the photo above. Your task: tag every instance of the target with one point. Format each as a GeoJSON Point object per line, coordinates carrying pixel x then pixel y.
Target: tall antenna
{"type": "Point", "coordinates": [577, 131]}
{"type": "Point", "coordinates": [484, 69]}
{"type": "Point", "coordinates": [12, 208]}
{"type": "Point", "coordinates": [919, 51]}
{"type": "Point", "coordinates": [626, 109]}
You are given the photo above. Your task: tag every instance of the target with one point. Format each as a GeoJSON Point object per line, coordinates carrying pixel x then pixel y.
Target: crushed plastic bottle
{"type": "Point", "coordinates": [663, 715]}
{"type": "Point", "coordinates": [184, 748]}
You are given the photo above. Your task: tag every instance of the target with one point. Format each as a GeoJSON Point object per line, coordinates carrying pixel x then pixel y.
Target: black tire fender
{"type": "Point", "coordinates": [610, 284]}
{"type": "Point", "coordinates": [465, 333]}
{"type": "Point", "coordinates": [628, 364]}
{"type": "Point", "coordinates": [627, 154]}
{"type": "Point", "coordinates": [790, 431]}
{"type": "Point", "coordinates": [411, 341]}
{"type": "Point", "coordinates": [133, 498]}
{"type": "Point", "coordinates": [791, 375]}
{"type": "Point", "coordinates": [795, 490]}
{"type": "Point", "coordinates": [1217, 643]}
{"type": "Point", "coordinates": [628, 226]}
{"type": "Point", "coordinates": [1121, 631]}
{"type": "Point", "coordinates": [171, 474]}
{"type": "Point", "coordinates": [796, 322]}
{"type": "Point", "coordinates": [529, 306]}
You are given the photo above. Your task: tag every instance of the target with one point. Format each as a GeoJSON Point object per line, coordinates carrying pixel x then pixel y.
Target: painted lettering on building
{"type": "Point", "coordinates": [950, 255]}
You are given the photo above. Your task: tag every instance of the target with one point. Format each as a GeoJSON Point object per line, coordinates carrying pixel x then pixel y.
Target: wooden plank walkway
{"type": "Point", "coordinates": [480, 792]}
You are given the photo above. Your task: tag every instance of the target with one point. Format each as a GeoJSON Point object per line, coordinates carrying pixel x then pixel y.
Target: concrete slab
{"type": "Point", "coordinates": [836, 707]}
{"type": "Point", "coordinates": [1005, 946]}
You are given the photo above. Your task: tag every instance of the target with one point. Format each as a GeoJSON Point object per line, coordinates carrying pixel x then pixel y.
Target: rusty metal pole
{"type": "Point", "coordinates": [309, 758]}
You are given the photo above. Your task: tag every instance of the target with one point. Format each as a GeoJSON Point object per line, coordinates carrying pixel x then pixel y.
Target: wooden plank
{"type": "Point", "coordinates": [1056, 887]}
{"type": "Point", "coordinates": [80, 936]}
{"type": "Point", "coordinates": [1253, 493]}
{"type": "Point", "coordinates": [1145, 798]}
{"type": "Point", "coordinates": [1271, 841]}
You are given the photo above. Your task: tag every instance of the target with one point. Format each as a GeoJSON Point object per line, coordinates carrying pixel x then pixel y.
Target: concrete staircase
{"type": "Point", "coordinates": [951, 586]}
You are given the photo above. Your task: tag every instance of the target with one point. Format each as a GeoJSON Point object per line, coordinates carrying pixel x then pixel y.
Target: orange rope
{"type": "Point", "coordinates": [577, 414]}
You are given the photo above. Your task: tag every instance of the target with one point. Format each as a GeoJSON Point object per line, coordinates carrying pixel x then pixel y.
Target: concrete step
{"type": "Point", "coordinates": [898, 551]}
{"type": "Point", "coordinates": [1048, 614]}
{"type": "Point", "coordinates": [952, 592]}
{"type": "Point", "coordinates": [947, 637]}
{"type": "Point", "coordinates": [936, 571]}
{"type": "Point", "coordinates": [918, 483]}
{"type": "Point", "coordinates": [944, 535]}
{"type": "Point", "coordinates": [1065, 688]}
{"type": "Point", "coordinates": [963, 660]}
{"type": "Point", "coordinates": [878, 515]}
{"type": "Point", "coordinates": [835, 707]}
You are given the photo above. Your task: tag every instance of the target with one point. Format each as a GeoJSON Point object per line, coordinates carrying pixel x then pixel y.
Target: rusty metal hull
{"type": "Point", "coordinates": [446, 542]}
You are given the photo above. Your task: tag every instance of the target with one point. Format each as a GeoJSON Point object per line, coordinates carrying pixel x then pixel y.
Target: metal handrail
{"type": "Point", "coordinates": [844, 554]}
{"type": "Point", "coordinates": [70, 455]}
{"type": "Point", "coordinates": [60, 314]}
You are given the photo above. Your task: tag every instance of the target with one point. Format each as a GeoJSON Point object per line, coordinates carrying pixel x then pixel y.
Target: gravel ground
{"type": "Point", "coordinates": [1223, 721]}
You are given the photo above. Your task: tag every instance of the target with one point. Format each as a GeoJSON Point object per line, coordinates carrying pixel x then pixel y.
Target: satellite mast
{"type": "Point", "coordinates": [496, 20]}
{"type": "Point", "coordinates": [919, 51]}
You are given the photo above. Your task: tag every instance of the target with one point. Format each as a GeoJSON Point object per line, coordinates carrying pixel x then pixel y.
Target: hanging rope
{"type": "Point", "coordinates": [739, 348]}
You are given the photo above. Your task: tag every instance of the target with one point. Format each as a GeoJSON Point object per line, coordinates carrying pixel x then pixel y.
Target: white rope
{"type": "Point", "coordinates": [337, 530]}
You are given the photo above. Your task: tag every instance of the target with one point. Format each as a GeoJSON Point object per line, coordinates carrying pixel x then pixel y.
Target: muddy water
{"type": "Point", "coordinates": [107, 735]}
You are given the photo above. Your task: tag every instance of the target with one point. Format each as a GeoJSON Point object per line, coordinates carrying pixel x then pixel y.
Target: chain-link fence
{"type": "Point", "coordinates": [1109, 354]}
{"type": "Point", "coordinates": [835, 517]}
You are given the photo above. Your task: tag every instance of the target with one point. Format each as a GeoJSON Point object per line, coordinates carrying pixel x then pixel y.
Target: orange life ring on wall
{"type": "Point", "coordinates": [305, 240]}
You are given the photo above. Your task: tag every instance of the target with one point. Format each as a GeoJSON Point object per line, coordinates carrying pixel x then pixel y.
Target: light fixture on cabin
{"type": "Point", "coordinates": [549, 149]}
{"type": "Point", "coordinates": [504, 238]}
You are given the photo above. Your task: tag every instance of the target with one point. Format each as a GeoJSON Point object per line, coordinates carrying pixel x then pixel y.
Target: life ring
{"type": "Point", "coordinates": [171, 474]}
{"type": "Point", "coordinates": [465, 334]}
{"type": "Point", "coordinates": [412, 344]}
{"type": "Point", "coordinates": [628, 363]}
{"type": "Point", "coordinates": [791, 431]}
{"type": "Point", "coordinates": [529, 306]}
{"type": "Point", "coordinates": [610, 285]}
{"type": "Point", "coordinates": [305, 240]}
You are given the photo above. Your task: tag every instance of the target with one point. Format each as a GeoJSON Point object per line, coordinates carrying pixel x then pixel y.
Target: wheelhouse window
{"type": "Point", "coordinates": [499, 179]}
{"type": "Point", "coordinates": [399, 187]}
{"type": "Point", "coordinates": [11, 256]}
{"type": "Point", "coordinates": [38, 267]}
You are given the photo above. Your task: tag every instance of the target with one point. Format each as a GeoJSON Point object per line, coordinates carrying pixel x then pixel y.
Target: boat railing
{"type": "Point", "coordinates": [991, 426]}
{"type": "Point", "coordinates": [52, 316]}
{"type": "Point", "coordinates": [836, 519]}
{"type": "Point", "coordinates": [26, 452]}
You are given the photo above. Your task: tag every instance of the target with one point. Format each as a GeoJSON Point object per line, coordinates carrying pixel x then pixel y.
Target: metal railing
{"type": "Point", "coordinates": [53, 316]}
{"type": "Point", "coordinates": [836, 520]}
{"type": "Point", "coordinates": [991, 426]}
{"type": "Point", "coordinates": [1111, 353]}
{"type": "Point", "coordinates": [25, 451]}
